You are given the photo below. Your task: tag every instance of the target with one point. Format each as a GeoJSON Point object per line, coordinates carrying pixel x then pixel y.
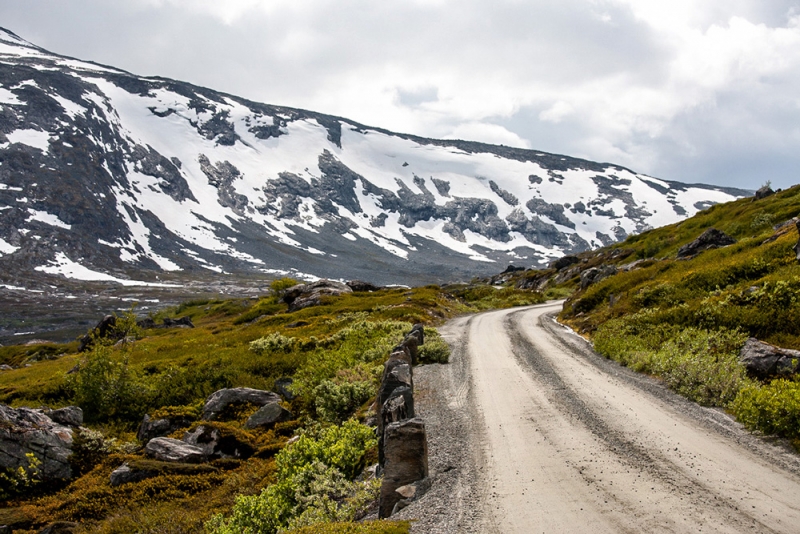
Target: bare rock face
{"type": "Point", "coordinates": [268, 415]}
{"type": "Point", "coordinates": [305, 295]}
{"type": "Point", "coordinates": [173, 450]}
{"type": "Point", "coordinates": [711, 238]}
{"type": "Point", "coordinates": [24, 431]}
{"type": "Point", "coordinates": [67, 416]}
{"type": "Point", "coordinates": [219, 400]}
{"type": "Point", "coordinates": [564, 262]}
{"type": "Point", "coordinates": [763, 360]}
{"type": "Point", "coordinates": [406, 461]}
{"type": "Point", "coordinates": [361, 286]}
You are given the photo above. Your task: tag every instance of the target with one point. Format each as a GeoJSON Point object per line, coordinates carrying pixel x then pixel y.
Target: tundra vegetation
{"type": "Point", "coordinates": [333, 353]}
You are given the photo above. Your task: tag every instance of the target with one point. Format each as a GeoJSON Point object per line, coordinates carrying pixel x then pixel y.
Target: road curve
{"type": "Point", "coordinates": [572, 442]}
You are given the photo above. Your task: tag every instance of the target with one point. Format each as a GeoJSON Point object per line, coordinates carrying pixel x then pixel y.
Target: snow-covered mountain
{"type": "Point", "coordinates": [105, 174]}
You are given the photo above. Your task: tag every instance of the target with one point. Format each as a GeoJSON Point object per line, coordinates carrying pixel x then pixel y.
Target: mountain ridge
{"type": "Point", "coordinates": [166, 176]}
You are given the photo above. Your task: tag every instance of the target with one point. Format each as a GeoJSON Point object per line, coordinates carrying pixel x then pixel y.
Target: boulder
{"type": "Point", "coordinates": [6, 367]}
{"type": "Point", "coordinates": [154, 428]}
{"type": "Point", "coordinates": [103, 329]}
{"type": "Point", "coordinates": [512, 269]}
{"type": "Point", "coordinates": [24, 431]}
{"type": "Point", "coordinates": [305, 295]}
{"type": "Point", "coordinates": [406, 461]}
{"type": "Point", "coordinates": [763, 360]}
{"type": "Point", "coordinates": [68, 416]}
{"type": "Point", "coordinates": [763, 192]}
{"type": "Point", "coordinates": [595, 274]}
{"type": "Point", "coordinates": [214, 444]}
{"type": "Point", "coordinates": [711, 238]}
{"type": "Point", "coordinates": [219, 400]}
{"type": "Point", "coordinates": [124, 474]}
{"type": "Point", "coordinates": [283, 386]}
{"type": "Point", "coordinates": [179, 322]}
{"type": "Point", "coordinates": [410, 493]}
{"type": "Point", "coordinates": [419, 330]}
{"type": "Point", "coordinates": [173, 450]}
{"type": "Point", "coordinates": [268, 415]}
{"type": "Point", "coordinates": [564, 262]}
{"type": "Point", "coordinates": [361, 286]}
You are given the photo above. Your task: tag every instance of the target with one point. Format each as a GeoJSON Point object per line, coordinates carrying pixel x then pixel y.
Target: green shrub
{"type": "Point", "coordinates": [314, 484]}
{"type": "Point", "coordinates": [336, 402]}
{"type": "Point", "coordinates": [282, 284]}
{"type": "Point", "coordinates": [435, 349]}
{"type": "Point", "coordinates": [16, 481]}
{"type": "Point", "coordinates": [274, 342]}
{"type": "Point", "coordinates": [772, 409]}
{"type": "Point", "coordinates": [366, 527]}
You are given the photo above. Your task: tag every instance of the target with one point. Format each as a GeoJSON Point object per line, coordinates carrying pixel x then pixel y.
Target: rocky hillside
{"type": "Point", "coordinates": [105, 175]}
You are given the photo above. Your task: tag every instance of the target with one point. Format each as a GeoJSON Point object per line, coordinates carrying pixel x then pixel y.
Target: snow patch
{"type": "Point", "coordinates": [64, 266]}
{"type": "Point", "coordinates": [6, 247]}
{"type": "Point", "coordinates": [47, 218]}
{"type": "Point", "coordinates": [32, 138]}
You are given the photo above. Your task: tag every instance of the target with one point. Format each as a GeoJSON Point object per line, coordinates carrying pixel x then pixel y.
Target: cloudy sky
{"type": "Point", "coordinates": [689, 90]}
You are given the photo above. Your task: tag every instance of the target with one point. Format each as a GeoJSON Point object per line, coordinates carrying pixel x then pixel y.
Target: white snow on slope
{"type": "Point", "coordinates": [70, 269]}
{"type": "Point", "coordinates": [47, 218]}
{"type": "Point", "coordinates": [6, 247]}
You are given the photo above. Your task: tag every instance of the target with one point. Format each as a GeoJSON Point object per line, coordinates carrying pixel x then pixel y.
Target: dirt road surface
{"type": "Point", "coordinates": [533, 432]}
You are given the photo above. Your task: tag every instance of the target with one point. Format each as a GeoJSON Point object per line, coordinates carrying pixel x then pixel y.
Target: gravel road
{"type": "Point", "coordinates": [530, 431]}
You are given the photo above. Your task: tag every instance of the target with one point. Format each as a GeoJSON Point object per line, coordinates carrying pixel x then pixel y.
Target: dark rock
{"type": "Point", "coordinates": [297, 324]}
{"type": "Point", "coordinates": [124, 475]}
{"type": "Point", "coordinates": [305, 295]}
{"type": "Point", "coordinates": [797, 245]}
{"type": "Point", "coordinates": [68, 416]}
{"type": "Point", "coordinates": [268, 415]}
{"type": "Point", "coordinates": [219, 400]}
{"type": "Point", "coordinates": [406, 461]}
{"type": "Point", "coordinates": [419, 329]}
{"type": "Point", "coordinates": [360, 286]}
{"type": "Point", "coordinates": [25, 431]}
{"type": "Point", "coordinates": [512, 269]}
{"type": "Point", "coordinates": [763, 192]}
{"type": "Point", "coordinates": [173, 450]}
{"type": "Point", "coordinates": [178, 322]}
{"type": "Point", "coordinates": [283, 386]}
{"type": "Point", "coordinates": [564, 262]}
{"type": "Point", "coordinates": [595, 274]}
{"type": "Point", "coordinates": [215, 444]}
{"type": "Point", "coordinates": [764, 361]}
{"type": "Point", "coordinates": [146, 323]}
{"type": "Point", "coordinates": [154, 428]}
{"type": "Point", "coordinates": [412, 343]}
{"type": "Point", "coordinates": [711, 238]}
{"type": "Point", "coordinates": [398, 407]}
{"type": "Point", "coordinates": [5, 529]}
{"type": "Point", "coordinates": [103, 329]}
{"type": "Point", "coordinates": [59, 527]}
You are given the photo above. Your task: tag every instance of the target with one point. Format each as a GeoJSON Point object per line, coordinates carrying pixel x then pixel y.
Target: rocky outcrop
{"type": "Point", "coordinates": [154, 428]}
{"type": "Point", "coordinates": [268, 415]}
{"type": "Point", "coordinates": [305, 295]}
{"type": "Point", "coordinates": [67, 416]}
{"type": "Point", "coordinates": [564, 262]}
{"type": "Point", "coordinates": [361, 286]}
{"type": "Point", "coordinates": [174, 450]}
{"type": "Point", "coordinates": [178, 322]}
{"type": "Point", "coordinates": [764, 361]}
{"type": "Point", "coordinates": [710, 239]}
{"type": "Point", "coordinates": [763, 192]}
{"type": "Point", "coordinates": [24, 431]}
{"type": "Point", "coordinates": [406, 453]}
{"type": "Point", "coordinates": [402, 444]}
{"type": "Point", "coordinates": [219, 400]}
{"type": "Point", "coordinates": [595, 274]}
{"type": "Point", "coordinates": [104, 329]}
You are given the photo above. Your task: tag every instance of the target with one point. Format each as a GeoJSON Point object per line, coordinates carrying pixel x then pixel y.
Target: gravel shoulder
{"type": "Point", "coordinates": [530, 431]}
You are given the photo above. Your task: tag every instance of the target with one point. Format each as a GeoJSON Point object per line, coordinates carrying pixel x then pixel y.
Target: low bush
{"type": "Point", "coordinates": [337, 399]}
{"type": "Point", "coordinates": [435, 349]}
{"type": "Point", "coordinates": [773, 408]}
{"type": "Point", "coordinates": [314, 484]}
{"type": "Point", "coordinates": [366, 527]}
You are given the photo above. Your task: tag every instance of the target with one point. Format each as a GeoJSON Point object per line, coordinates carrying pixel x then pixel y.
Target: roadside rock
{"type": "Point", "coordinates": [410, 493]}
{"type": "Point", "coordinates": [268, 415]}
{"type": "Point", "coordinates": [305, 295]}
{"type": "Point", "coordinates": [406, 461]}
{"type": "Point", "coordinates": [214, 444]}
{"type": "Point", "coordinates": [25, 431]}
{"type": "Point", "coordinates": [711, 238]}
{"type": "Point", "coordinates": [763, 360]}
{"type": "Point", "coordinates": [154, 428]}
{"type": "Point", "coordinates": [595, 274]}
{"type": "Point", "coordinates": [219, 400]}
{"type": "Point", "coordinates": [173, 450]}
